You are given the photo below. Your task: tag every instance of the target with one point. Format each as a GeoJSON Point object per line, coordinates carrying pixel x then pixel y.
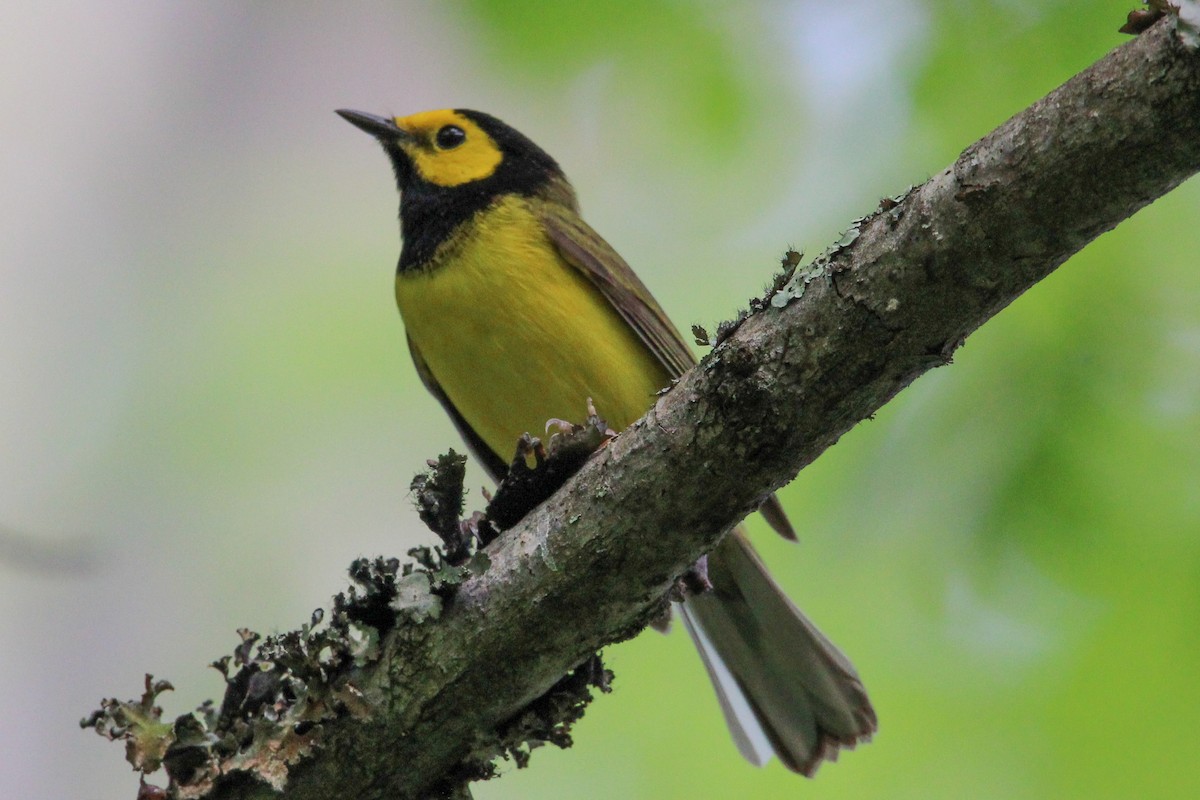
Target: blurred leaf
{"type": "Point", "coordinates": [671, 55]}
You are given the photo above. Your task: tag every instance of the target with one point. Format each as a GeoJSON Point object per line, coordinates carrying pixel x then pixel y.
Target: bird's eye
{"type": "Point", "coordinates": [450, 136]}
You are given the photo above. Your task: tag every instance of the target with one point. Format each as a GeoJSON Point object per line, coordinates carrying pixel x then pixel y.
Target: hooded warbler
{"type": "Point", "coordinates": [516, 312]}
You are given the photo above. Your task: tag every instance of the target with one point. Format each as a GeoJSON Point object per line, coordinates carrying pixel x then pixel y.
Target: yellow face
{"type": "Point", "coordinates": [448, 149]}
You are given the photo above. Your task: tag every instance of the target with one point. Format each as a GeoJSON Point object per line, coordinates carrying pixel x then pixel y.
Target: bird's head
{"type": "Point", "coordinates": [456, 147]}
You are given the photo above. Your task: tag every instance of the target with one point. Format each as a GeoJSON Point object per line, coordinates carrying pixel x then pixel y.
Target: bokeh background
{"type": "Point", "coordinates": [207, 409]}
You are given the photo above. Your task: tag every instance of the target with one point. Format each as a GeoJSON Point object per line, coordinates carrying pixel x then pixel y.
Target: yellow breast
{"type": "Point", "coordinates": [516, 336]}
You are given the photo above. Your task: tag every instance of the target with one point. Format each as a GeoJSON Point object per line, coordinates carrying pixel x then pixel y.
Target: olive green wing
{"type": "Point", "coordinates": [586, 251]}
{"type": "Point", "coordinates": [492, 463]}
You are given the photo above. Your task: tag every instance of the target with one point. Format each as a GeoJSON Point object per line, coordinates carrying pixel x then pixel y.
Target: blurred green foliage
{"type": "Point", "coordinates": [660, 50]}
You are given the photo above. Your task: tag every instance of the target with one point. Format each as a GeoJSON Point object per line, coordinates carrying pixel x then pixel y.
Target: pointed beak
{"type": "Point", "coordinates": [382, 128]}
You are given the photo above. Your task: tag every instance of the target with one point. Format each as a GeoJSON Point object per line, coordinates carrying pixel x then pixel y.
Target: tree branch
{"type": "Point", "coordinates": [829, 348]}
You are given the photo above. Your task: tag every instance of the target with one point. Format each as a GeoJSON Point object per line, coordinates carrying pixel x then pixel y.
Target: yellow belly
{"type": "Point", "coordinates": [515, 336]}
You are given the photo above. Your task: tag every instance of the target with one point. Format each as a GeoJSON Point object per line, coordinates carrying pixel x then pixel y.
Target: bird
{"type": "Point", "coordinates": [516, 312]}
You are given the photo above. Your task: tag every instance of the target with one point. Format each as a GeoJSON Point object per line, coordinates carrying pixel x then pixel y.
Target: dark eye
{"type": "Point", "coordinates": [450, 136]}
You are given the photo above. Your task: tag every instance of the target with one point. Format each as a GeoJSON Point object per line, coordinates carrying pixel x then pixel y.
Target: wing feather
{"type": "Point", "coordinates": [491, 461]}
{"type": "Point", "coordinates": [586, 251]}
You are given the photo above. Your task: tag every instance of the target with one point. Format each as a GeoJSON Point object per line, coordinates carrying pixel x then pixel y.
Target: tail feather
{"type": "Point", "coordinates": [751, 740]}
{"type": "Point", "coordinates": [772, 511]}
{"type": "Point", "coordinates": [782, 685]}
